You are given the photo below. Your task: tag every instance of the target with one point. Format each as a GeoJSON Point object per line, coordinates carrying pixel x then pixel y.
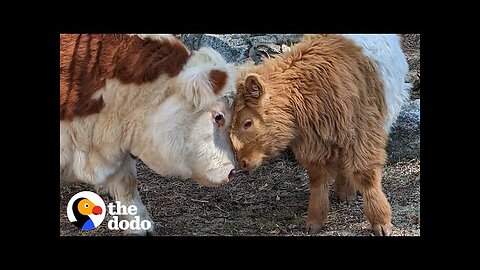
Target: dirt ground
{"type": "Point", "coordinates": [272, 201]}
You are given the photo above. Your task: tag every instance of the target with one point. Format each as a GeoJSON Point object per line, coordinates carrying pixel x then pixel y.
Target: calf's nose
{"type": "Point", "coordinates": [244, 163]}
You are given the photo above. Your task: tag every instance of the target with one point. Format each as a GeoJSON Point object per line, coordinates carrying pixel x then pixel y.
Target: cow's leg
{"type": "Point", "coordinates": [318, 203]}
{"type": "Point", "coordinates": [377, 209]}
{"type": "Point", "coordinates": [122, 187]}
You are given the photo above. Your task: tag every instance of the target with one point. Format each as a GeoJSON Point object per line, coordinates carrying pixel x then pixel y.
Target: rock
{"type": "Point", "coordinates": [263, 39]}
{"type": "Point", "coordinates": [414, 78]}
{"type": "Point", "coordinates": [288, 38]}
{"type": "Point", "coordinates": [277, 39]}
{"type": "Point", "coordinates": [263, 50]}
{"type": "Point", "coordinates": [237, 48]}
{"type": "Point", "coordinates": [234, 48]}
{"type": "Point", "coordinates": [268, 45]}
{"type": "Point", "coordinates": [404, 140]}
{"type": "Point", "coordinates": [411, 48]}
{"type": "Point", "coordinates": [413, 75]}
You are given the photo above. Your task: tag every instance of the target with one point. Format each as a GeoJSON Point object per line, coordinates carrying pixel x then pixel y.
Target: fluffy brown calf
{"type": "Point", "coordinates": [328, 100]}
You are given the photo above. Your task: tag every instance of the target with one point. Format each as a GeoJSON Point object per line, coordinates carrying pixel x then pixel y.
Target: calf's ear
{"type": "Point", "coordinates": [253, 86]}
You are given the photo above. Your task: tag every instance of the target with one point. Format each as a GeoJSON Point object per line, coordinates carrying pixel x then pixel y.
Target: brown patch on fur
{"type": "Point", "coordinates": [218, 79]}
{"type": "Point", "coordinates": [86, 61]}
{"type": "Point", "coordinates": [325, 100]}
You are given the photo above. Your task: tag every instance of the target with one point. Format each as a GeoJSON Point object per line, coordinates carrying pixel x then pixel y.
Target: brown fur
{"type": "Point", "coordinates": [218, 79]}
{"type": "Point", "coordinates": [86, 61]}
{"type": "Point", "coordinates": [325, 100]}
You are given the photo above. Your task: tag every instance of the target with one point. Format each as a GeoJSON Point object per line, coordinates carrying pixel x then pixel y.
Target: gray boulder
{"type": "Point", "coordinates": [233, 47]}
{"type": "Point", "coordinates": [265, 46]}
{"type": "Point", "coordinates": [277, 39]}
{"type": "Point", "coordinates": [404, 141]}
{"type": "Point", "coordinates": [411, 47]}
{"type": "Point", "coordinates": [238, 48]}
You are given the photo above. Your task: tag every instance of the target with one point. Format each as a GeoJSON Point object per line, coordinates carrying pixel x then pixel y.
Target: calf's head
{"type": "Point", "coordinates": [261, 126]}
{"type": "Point", "coordinates": [187, 134]}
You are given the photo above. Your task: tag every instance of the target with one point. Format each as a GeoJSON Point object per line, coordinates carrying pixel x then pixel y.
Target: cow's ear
{"type": "Point", "coordinates": [202, 85]}
{"type": "Point", "coordinates": [253, 85]}
{"type": "Point", "coordinates": [218, 79]}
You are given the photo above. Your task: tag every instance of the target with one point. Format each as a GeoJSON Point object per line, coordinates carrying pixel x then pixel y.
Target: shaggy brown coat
{"type": "Point", "coordinates": [325, 100]}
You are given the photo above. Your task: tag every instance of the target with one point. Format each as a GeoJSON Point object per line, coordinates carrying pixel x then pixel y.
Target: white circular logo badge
{"type": "Point", "coordinates": [86, 210]}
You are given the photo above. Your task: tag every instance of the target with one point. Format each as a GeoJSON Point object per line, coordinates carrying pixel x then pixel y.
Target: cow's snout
{"type": "Point", "coordinates": [231, 175]}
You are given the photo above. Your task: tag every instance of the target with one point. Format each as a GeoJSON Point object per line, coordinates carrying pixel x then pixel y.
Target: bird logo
{"type": "Point", "coordinates": [86, 210]}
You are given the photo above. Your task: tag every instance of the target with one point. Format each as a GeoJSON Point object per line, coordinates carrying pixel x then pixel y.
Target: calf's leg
{"type": "Point", "coordinates": [318, 203]}
{"type": "Point", "coordinates": [344, 187]}
{"type": "Point", "coordinates": [376, 207]}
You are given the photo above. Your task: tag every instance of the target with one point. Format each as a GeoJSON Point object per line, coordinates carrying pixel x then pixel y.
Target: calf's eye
{"type": "Point", "coordinates": [247, 123]}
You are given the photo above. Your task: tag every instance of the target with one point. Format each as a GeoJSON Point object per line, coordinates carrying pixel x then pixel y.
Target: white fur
{"type": "Point", "coordinates": [152, 126]}
{"type": "Point", "coordinates": [97, 95]}
{"type": "Point", "coordinates": [189, 143]}
{"type": "Point", "coordinates": [386, 52]}
{"type": "Point", "coordinates": [195, 82]}
{"type": "Point", "coordinates": [167, 123]}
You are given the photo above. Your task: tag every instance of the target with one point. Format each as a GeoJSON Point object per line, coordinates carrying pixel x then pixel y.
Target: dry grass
{"type": "Point", "coordinates": [270, 201]}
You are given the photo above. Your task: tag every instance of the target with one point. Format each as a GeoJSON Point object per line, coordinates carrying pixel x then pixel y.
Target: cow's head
{"type": "Point", "coordinates": [187, 134]}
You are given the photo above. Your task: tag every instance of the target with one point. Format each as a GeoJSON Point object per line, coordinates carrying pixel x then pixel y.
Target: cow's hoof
{"type": "Point", "coordinates": [152, 233]}
{"type": "Point", "coordinates": [382, 229]}
{"type": "Point", "coordinates": [134, 233]}
{"type": "Point", "coordinates": [313, 229]}
{"type": "Point", "coordinates": [102, 191]}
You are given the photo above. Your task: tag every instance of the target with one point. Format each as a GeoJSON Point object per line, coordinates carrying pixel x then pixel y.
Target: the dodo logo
{"type": "Point", "coordinates": [86, 210]}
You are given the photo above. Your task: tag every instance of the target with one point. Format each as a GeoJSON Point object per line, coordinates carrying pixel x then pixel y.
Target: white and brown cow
{"type": "Point", "coordinates": [148, 96]}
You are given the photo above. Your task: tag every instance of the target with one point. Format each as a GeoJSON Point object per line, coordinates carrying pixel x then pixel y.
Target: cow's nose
{"type": "Point", "coordinates": [231, 174]}
{"type": "Point", "coordinates": [244, 163]}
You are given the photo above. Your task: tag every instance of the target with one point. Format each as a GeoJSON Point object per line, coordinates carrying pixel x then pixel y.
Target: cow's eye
{"type": "Point", "coordinates": [218, 117]}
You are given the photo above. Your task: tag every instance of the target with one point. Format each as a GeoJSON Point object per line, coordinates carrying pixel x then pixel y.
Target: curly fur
{"type": "Point", "coordinates": [326, 100]}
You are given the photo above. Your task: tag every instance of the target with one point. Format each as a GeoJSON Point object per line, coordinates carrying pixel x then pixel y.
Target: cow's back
{"type": "Point", "coordinates": [81, 73]}
{"type": "Point", "coordinates": [87, 61]}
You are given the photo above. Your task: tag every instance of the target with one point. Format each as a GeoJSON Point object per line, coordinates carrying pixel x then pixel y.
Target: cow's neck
{"type": "Point", "coordinates": [158, 135]}
{"type": "Point", "coordinates": [126, 106]}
